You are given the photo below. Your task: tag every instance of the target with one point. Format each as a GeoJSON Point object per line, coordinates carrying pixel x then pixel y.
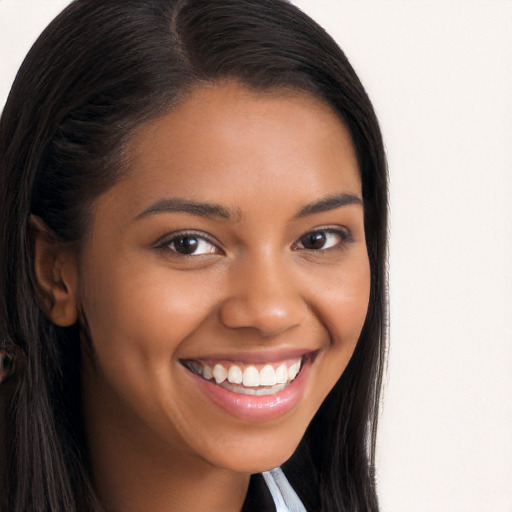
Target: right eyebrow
{"type": "Point", "coordinates": [181, 205]}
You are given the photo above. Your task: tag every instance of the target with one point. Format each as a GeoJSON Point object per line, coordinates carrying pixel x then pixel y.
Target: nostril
{"type": "Point", "coordinates": [269, 315]}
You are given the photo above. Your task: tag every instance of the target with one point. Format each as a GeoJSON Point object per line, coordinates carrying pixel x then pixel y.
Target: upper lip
{"type": "Point", "coordinates": [256, 357]}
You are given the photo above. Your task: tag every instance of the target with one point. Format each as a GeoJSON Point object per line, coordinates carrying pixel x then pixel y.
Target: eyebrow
{"type": "Point", "coordinates": [180, 205]}
{"type": "Point", "coordinates": [329, 203]}
{"type": "Point", "coordinates": [202, 209]}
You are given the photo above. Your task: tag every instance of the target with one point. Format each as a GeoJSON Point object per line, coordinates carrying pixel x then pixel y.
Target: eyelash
{"type": "Point", "coordinates": [167, 243]}
{"type": "Point", "coordinates": [343, 234]}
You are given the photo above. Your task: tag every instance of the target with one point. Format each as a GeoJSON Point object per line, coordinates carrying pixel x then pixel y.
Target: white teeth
{"type": "Point", "coordinates": [293, 371]}
{"type": "Point", "coordinates": [219, 373]}
{"type": "Point", "coordinates": [259, 391]}
{"type": "Point", "coordinates": [251, 377]}
{"type": "Point", "coordinates": [207, 372]}
{"type": "Point", "coordinates": [282, 374]}
{"type": "Point", "coordinates": [235, 375]}
{"type": "Point", "coordinates": [268, 376]}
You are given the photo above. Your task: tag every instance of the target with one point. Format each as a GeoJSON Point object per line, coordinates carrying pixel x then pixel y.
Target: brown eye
{"type": "Point", "coordinates": [322, 239]}
{"type": "Point", "coordinates": [314, 241]}
{"type": "Point", "coordinates": [190, 245]}
{"type": "Point", "coordinates": [186, 244]}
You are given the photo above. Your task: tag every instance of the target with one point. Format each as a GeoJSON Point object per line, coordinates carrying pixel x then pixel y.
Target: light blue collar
{"type": "Point", "coordinates": [285, 498]}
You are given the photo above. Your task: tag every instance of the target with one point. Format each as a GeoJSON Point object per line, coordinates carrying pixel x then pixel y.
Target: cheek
{"type": "Point", "coordinates": [160, 312]}
{"type": "Point", "coordinates": [139, 315]}
{"type": "Point", "coordinates": [346, 300]}
{"type": "Point", "coordinates": [138, 323]}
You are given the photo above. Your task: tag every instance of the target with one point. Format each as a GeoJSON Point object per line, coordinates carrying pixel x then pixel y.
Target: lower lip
{"type": "Point", "coordinates": [256, 408]}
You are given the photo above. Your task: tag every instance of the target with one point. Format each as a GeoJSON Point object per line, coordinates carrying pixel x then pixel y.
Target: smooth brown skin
{"type": "Point", "coordinates": [156, 442]}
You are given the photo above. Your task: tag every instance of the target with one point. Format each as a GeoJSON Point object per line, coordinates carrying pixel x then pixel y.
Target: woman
{"type": "Point", "coordinates": [193, 244]}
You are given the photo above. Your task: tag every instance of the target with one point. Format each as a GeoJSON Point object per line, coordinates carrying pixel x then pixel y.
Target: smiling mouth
{"type": "Point", "coordinates": [248, 379]}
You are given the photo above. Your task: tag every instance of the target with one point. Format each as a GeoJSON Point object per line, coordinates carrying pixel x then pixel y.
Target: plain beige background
{"type": "Point", "coordinates": [440, 75]}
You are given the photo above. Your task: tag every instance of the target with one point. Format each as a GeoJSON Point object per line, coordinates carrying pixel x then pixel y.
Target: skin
{"type": "Point", "coordinates": [156, 441]}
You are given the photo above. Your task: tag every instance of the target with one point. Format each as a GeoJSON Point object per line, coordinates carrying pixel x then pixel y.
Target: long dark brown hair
{"type": "Point", "coordinates": [100, 70]}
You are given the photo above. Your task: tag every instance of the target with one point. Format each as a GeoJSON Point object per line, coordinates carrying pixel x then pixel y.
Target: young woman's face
{"type": "Point", "coordinates": [226, 279]}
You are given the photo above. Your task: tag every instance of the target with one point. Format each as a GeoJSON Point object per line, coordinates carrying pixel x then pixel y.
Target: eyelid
{"type": "Point", "coordinates": [165, 241]}
{"type": "Point", "coordinates": [343, 232]}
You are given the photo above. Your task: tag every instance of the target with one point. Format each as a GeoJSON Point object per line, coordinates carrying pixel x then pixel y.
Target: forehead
{"type": "Point", "coordinates": [226, 139]}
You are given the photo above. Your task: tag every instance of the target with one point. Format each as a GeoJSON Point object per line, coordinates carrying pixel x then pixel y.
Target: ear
{"type": "Point", "coordinates": [56, 275]}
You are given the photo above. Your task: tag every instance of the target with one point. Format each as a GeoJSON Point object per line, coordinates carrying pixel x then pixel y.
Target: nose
{"type": "Point", "coordinates": [263, 296]}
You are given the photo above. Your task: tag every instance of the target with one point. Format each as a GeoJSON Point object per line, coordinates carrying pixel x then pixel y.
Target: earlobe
{"type": "Point", "coordinates": [55, 273]}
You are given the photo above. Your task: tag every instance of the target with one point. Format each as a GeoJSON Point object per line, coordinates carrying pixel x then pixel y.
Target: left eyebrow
{"type": "Point", "coordinates": [329, 203]}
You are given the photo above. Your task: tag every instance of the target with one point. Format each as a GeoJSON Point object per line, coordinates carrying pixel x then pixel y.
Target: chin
{"type": "Point", "coordinates": [256, 454]}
